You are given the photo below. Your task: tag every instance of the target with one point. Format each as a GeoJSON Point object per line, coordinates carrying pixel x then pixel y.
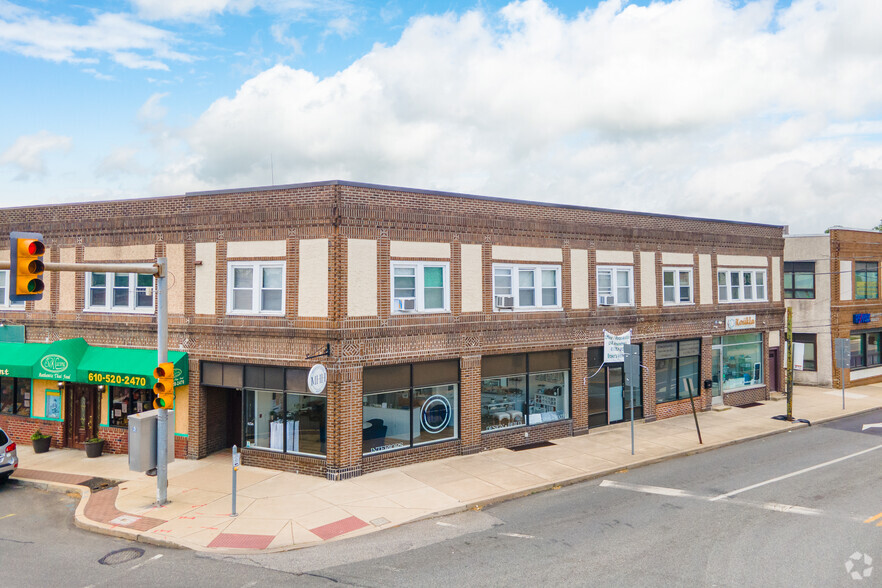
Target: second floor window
{"type": "Point", "coordinates": [737, 285]}
{"type": "Point", "coordinates": [256, 288]}
{"type": "Point", "coordinates": [615, 286]}
{"type": "Point", "coordinates": [5, 287]}
{"type": "Point", "coordinates": [521, 287]}
{"type": "Point", "coordinates": [110, 292]}
{"type": "Point", "coordinates": [677, 285]}
{"type": "Point", "coordinates": [419, 286]}
{"type": "Point", "coordinates": [866, 280]}
{"type": "Point", "coordinates": [799, 279]}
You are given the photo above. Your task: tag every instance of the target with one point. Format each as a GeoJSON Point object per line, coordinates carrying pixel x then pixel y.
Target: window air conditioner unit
{"type": "Point", "coordinates": [607, 300]}
{"type": "Point", "coordinates": [504, 301]}
{"type": "Point", "coordinates": [405, 304]}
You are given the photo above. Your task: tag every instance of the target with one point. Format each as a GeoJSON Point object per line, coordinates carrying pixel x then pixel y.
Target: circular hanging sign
{"type": "Point", "coordinates": [436, 414]}
{"type": "Point", "coordinates": [317, 379]}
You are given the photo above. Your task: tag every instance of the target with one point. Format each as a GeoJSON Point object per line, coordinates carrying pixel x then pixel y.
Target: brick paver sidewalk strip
{"type": "Point", "coordinates": [101, 508]}
{"type": "Point", "coordinates": [337, 528]}
{"type": "Point", "coordinates": [73, 479]}
{"type": "Point", "coordinates": [241, 541]}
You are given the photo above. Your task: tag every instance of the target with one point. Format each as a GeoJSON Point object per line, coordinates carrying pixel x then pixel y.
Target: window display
{"type": "Point", "coordinates": [524, 389]}
{"type": "Point", "coordinates": [410, 404]}
{"type": "Point", "coordinates": [128, 401]}
{"type": "Point", "coordinates": [741, 364]}
{"type": "Point", "coordinates": [676, 370]}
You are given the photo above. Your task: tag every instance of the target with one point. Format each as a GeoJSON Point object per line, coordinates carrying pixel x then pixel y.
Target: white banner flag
{"type": "Point", "coordinates": [613, 346]}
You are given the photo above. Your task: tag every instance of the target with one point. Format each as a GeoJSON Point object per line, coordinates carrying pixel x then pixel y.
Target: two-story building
{"type": "Point", "coordinates": [447, 323]}
{"type": "Point", "coordinates": [831, 282]}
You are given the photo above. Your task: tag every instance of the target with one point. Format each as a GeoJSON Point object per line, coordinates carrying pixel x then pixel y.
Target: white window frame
{"type": "Point", "coordinates": [677, 271]}
{"type": "Point", "coordinates": [515, 269]}
{"type": "Point", "coordinates": [5, 303]}
{"type": "Point", "coordinates": [132, 287]}
{"type": "Point", "coordinates": [419, 285]}
{"type": "Point", "coordinates": [257, 268]}
{"type": "Point", "coordinates": [614, 277]}
{"type": "Point", "coordinates": [725, 291]}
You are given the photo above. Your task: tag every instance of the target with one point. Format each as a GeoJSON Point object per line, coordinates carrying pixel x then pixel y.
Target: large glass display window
{"type": "Point", "coordinates": [410, 404]}
{"type": "Point", "coordinates": [524, 389]}
{"type": "Point", "coordinates": [677, 365]}
{"type": "Point", "coordinates": [741, 361]}
{"type": "Point", "coordinates": [125, 402]}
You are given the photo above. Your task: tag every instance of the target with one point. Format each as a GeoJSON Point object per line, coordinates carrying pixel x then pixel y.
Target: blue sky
{"type": "Point", "coordinates": [750, 109]}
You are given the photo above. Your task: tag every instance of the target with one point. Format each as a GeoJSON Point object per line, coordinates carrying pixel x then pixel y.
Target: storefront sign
{"type": "Point", "coordinates": [798, 355]}
{"type": "Point", "coordinates": [317, 379]}
{"type": "Point", "coordinates": [744, 321]}
{"type": "Point", "coordinates": [614, 346]}
{"type": "Point", "coordinates": [435, 414]}
{"type": "Point", "coordinates": [860, 318]}
{"type": "Point", "coordinates": [119, 380]}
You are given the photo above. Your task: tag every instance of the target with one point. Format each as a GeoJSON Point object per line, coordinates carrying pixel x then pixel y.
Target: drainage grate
{"type": "Point", "coordinates": [99, 484]}
{"type": "Point", "coordinates": [750, 405]}
{"type": "Point", "coordinates": [533, 446]}
{"type": "Point", "coordinates": [121, 556]}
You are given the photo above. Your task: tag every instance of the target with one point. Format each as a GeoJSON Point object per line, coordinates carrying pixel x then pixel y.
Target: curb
{"type": "Point", "coordinates": [84, 493]}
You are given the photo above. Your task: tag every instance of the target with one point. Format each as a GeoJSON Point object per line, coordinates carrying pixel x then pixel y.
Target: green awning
{"type": "Point", "coordinates": [17, 360]}
{"type": "Point", "coordinates": [60, 360]}
{"type": "Point", "coordinates": [132, 368]}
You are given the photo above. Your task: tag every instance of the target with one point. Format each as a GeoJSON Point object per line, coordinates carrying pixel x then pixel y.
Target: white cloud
{"type": "Point", "coordinates": [118, 36]}
{"type": "Point", "coordinates": [28, 153]}
{"type": "Point", "coordinates": [690, 107]}
{"type": "Point", "coordinates": [121, 160]}
{"type": "Point", "coordinates": [152, 110]}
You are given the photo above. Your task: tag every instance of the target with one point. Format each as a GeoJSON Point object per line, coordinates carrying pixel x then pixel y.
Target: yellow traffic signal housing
{"type": "Point", "coordinates": [26, 266]}
{"type": "Point", "coordinates": [164, 388]}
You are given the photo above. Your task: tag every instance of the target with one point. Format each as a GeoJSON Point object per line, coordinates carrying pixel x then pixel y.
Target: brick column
{"type": "Point", "coordinates": [197, 411]}
{"type": "Point", "coordinates": [220, 281]}
{"type": "Point", "coordinates": [707, 344]}
{"type": "Point", "coordinates": [648, 359]}
{"type": "Point", "coordinates": [455, 277]}
{"type": "Point", "coordinates": [566, 278]}
{"type": "Point", "coordinates": [344, 422]}
{"type": "Point", "coordinates": [579, 390]}
{"type": "Point", "coordinates": [470, 403]}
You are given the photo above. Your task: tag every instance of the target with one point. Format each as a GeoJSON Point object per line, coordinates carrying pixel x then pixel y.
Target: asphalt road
{"type": "Point", "coordinates": [788, 510]}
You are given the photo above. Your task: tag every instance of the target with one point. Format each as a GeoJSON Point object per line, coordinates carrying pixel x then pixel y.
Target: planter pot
{"type": "Point", "coordinates": [41, 445]}
{"type": "Point", "coordinates": [94, 449]}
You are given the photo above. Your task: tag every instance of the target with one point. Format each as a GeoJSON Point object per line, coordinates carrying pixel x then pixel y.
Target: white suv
{"type": "Point", "coordinates": [8, 458]}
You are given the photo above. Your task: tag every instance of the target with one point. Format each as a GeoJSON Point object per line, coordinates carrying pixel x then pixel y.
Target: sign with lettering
{"type": "Point", "coordinates": [860, 318]}
{"type": "Point", "coordinates": [614, 346]}
{"type": "Point", "coordinates": [798, 356]}
{"type": "Point", "coordinates": [317, 379]}
{"type": "Point", "coordinates": [744, 321]}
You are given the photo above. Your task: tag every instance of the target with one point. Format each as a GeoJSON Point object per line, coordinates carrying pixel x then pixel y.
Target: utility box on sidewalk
{"type": "Point", "coordinates": [142, 440]}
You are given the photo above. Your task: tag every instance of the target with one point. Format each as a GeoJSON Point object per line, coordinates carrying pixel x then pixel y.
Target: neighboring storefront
{"type": "Point", "coordinates": [75, 392]}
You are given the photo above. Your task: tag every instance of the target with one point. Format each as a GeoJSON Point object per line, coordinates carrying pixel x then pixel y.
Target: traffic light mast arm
{"type": "Point", "coordinates": [120, 268]}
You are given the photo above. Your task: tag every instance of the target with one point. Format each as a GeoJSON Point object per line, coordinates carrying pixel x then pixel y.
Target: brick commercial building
{"type": "Point", "coordinates": [832, 283]}
{"type": "Point", "coordinates": [447, 324]}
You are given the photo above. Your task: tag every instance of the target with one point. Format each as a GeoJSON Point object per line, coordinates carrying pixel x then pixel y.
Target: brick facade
{"type": "Point", "coordinates": [340, 211]}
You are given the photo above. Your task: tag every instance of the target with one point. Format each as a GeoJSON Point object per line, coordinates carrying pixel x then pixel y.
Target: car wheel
{"type": "Point", "coordinates": [4, 477]}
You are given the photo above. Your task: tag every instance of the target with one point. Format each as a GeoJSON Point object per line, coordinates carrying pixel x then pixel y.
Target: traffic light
{"type": "Point", "coordinates": [164, 388]}
{"type": "Point", "coordinates": [26, 266]}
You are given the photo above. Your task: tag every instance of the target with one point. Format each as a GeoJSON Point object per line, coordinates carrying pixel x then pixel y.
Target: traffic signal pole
{"type": "Point", "coordinates": [162, 357]}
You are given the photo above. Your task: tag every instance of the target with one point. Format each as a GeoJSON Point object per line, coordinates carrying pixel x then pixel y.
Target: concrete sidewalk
{"type": "Point", "coordinates": [279, 511]}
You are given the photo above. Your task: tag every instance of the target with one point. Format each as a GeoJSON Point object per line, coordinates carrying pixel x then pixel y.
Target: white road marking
{"type": "Point", "coordinates": [871, 426]}
{"type": "Point", "coordinates": [676, 492]}
{"type": "Point", "coordinates": [518, 535]}
{"type": "Point", "coordinates": [445, 524]}
{"type": "Point", "coordinates": [652, 489]}
{"type": "Point", "coordinates": [796, 473]}
{"type": "Point", "coordinates": [155, 557]}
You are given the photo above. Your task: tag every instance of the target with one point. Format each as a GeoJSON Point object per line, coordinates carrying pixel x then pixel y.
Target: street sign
{"type": "Point", "coordinates": [798, 356]}
{"type": "Point", "coordinates": [632, 364]}
{"type": "Point", "coordinates": [843, 353]}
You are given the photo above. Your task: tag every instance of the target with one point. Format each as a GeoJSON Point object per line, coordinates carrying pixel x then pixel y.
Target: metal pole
{"type": "Point", "coordinates": [842, 379]}
{"type": "Point", "coordinates": [631, 386]}
{"type": "Point", "coordinates": [162, 357]}
{"type": "Point", "coordinates": [789, 363]}
{"type": "Point", "coordinates": [235, 469]}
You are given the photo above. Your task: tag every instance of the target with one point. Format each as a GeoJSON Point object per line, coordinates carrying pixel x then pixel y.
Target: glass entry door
{"type": "Point", "coordinates": [716, 394]}
{"type": "Point", "coordinates": [616, 394]}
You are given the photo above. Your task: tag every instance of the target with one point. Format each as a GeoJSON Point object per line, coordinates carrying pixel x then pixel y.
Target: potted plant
{"type": "Point", "coordinates": [40, 441]}
{"type": "Point", "coordinates": [94, 447]}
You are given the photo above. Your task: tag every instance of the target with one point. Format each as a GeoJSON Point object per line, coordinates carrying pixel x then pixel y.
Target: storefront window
{"type": "Point", "coordinates": [741, 364]}
{"type": "Point", "coordinates": [410, 404]}
{"type": "Point", "coordinates": [676, 370]}
{"type": "Point", "coordinates": [865, 350]}
{"type": "Point", "coordinates": [524, 389]}
{"type": "Point", "coordinates": [15, 396]}
{"type": "Point", "coordinates": [305, 416]}
{"type": "Point", "coordinates": [128, 401]}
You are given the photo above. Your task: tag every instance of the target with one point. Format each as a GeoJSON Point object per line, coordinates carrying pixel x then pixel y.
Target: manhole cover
{"type": "Point", "coordinates": [121, 556]}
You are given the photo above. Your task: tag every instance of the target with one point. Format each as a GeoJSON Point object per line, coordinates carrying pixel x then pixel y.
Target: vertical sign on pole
{"type": "Point", "coordinates": [236, 461]}
{"type": "Point", "coordinates": [632, 376]}
{"type": "Point", "coordinates": [843, 362]}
